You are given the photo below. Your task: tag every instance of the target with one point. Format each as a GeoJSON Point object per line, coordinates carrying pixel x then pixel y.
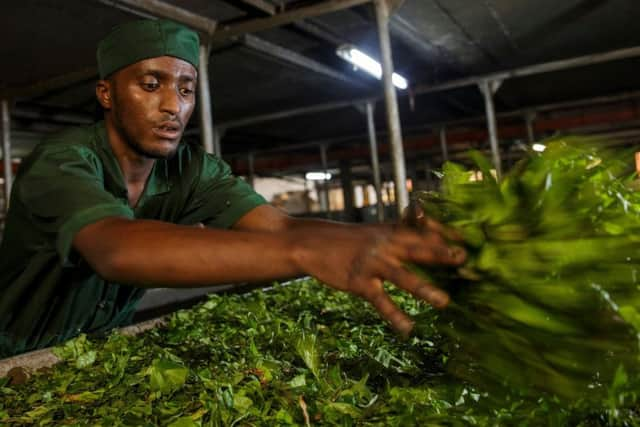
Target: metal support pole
{"type": "Point", "coordinates": [206, 120]}
{"type": "Point", "coordinates": [217, 134]}
{"type": "Point", "coordinates": [443, 144]}
{"type": "Point", "coordinates": [252, 171]}
{"type": "Point", "coordinates": [393, 115]}
{"type": "Point", "coordinates": [375, 163]}
{"type": "Point", "coordinates": [6, 151]}
{"type": "Point", "coordinates": [324, 185]}
{"type": "Point", "coordinates": [428, 173]}
{"type": "Point", "coordinates": [488, 88]}
{"type": "Point", "coordinates": [346, 180]}
{"type": "Point", "coordinates": [529, 118]}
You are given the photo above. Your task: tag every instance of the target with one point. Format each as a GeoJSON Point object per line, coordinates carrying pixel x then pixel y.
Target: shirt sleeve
{"type": "Point", "coordinates": [220, 199]}
{"type": "Point", "coordinates": [62, 190]}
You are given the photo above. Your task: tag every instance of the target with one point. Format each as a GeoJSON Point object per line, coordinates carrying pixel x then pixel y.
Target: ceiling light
{"type": "Point", "coordinates": [538, 147]}
{"type": "Point", "coordinates": [317, 176]}
{"type": "Point", "coordinates": [362, 61]}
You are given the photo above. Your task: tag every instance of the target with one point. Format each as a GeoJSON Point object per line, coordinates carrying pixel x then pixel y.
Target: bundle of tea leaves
{"type": "Point", "coordinates": [549, 298]}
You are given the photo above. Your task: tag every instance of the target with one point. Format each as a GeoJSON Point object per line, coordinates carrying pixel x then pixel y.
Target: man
{"type": "Point", "coordinates": [98, 214]}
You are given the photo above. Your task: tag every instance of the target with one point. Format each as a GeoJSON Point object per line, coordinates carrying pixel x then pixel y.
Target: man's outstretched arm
{"type": "Point", "coordinates": [266, 245]}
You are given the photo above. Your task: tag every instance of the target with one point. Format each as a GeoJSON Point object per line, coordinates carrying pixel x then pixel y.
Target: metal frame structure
{"type": "Point", "coordinates": [375, 163]}
{"type": "Point", "coordinates": [6, 150]}
{"type": "Point", "coordinates": [214, 34]}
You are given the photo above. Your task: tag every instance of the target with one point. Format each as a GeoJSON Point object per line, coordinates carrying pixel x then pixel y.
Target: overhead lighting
{"type": "Point", "coordinates": [538, 147]}
{"type": "Point", "coordinates": [362, 61]}
{"type": "Point", "coordinates": [318, 176]}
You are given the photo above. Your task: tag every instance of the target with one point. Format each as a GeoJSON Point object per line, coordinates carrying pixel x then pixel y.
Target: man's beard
{"type": "Point", "coordinates": [139, 149]}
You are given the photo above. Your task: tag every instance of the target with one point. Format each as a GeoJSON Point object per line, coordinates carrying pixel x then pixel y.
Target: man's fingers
{"type": "Point", "coordinates": [407, 245]}
{"type": "Point", "coordinates": [388, 310]}
{"type": "Point", "coordinates": [429, 250]}
{"type": "Point", "coordinates": [418, 287]}
{"type": "Point", "coordinates": [431, 225]}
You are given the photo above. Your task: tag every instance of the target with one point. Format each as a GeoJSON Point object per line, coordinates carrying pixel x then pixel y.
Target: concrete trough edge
{"type": "Point", "coordinates": [44, 358]}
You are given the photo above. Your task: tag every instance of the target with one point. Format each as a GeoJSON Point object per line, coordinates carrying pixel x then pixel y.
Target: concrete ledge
{"type": "Point", "coordinates": [44, 358]}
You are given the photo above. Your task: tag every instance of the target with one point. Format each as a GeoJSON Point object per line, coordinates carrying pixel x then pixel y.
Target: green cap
{"type": "Point", "coordinates": [137, 40]}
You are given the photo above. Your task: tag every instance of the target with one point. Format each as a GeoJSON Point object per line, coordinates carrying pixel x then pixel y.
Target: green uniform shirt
{"type": "Point", "coordinates": [48, 293]}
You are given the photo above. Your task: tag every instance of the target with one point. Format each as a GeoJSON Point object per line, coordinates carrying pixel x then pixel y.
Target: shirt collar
{"type": "Point", "coordinates": [157, 183]}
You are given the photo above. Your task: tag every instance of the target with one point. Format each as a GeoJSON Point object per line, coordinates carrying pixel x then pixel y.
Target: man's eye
{"type": "Point", "coordinates": [150, 86]}
{"type": "Point", "coordinates": [185, 91]}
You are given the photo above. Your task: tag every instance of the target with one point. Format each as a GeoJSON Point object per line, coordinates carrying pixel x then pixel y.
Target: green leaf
{"type": "Point", "coordinates": [298, 381]}
{"type": "Point", "coordinates": [184, 422]}
{"type": "Point", "coordinates": [166, 375]}
{"type": "Point", "coordinates": [307, 349]}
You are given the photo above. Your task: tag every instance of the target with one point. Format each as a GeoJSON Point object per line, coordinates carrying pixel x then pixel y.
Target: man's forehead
{"type": "Point", "coordinates": [164, 66]}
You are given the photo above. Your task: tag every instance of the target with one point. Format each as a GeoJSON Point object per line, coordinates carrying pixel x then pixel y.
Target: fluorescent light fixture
{"type": "Point", "coordinates": [317, 176]}
{"type": "Point", "coordinates": [363, 61]}
{"type": "Point", "coordinates": [538, 147]}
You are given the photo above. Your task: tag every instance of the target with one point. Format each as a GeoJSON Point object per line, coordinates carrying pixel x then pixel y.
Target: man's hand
{"type": "Point", "coordinates": [359, 259]}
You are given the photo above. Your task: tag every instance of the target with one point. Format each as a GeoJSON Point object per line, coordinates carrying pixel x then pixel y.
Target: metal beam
{"type": "Point", "coordinates": [428, 174]}
{"type": "Point", "coordinates": [394, 5]}
{"type": "Point", "coordinates": [218, 133]}
{"type": "Point", "coordinates": [393, 115]}
{"type": "Point", "coordinates": [305, 26]}
{"type": "Point", "coordinates": [261, 24]}
{"type": "Point", "coordinates": [204, 93]}
{"type": "Point", "coordinates": [252, 172]}
{"type": "Point", "coordinates": [443, 143]}
{"type": "Point", "coordinates": [54, 83]}
{"type": "Point", "coordinates": [410, 35]}
{"type": "Point", "coordinates": [252, 120]}
{"type": "Point", "coordinates": [162, 9]}
{"type": "Point", "coordinates": [459, 140]}
{"type": "Point", "coordinates": [6, 151]}
{"type": "Point", "coordinates": [454, 139]}
{"type": "Point", "coordinates": [515, 113]}
{"type": "Point", "coordinates": [423, 89]}
{"type": "Point", "coordinates": [488, 89]}
{"type": "Point", "coordinates": [545, 67]}
{"type": "Point", "coordinates": [375, 163]}
{"type": "Point", "coordinates": [261, 5]}
{"type": "Point", "coordinates": [320, 32]}
{"type": "Point", "coordinates": [529, 117]}
{"type": "Point", "coordinates": [296, 58]}
{"type": "Point", "coordinates": [324, 184]}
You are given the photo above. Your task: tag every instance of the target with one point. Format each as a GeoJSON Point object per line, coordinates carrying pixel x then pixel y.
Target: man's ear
{"type": "Point", "coordinates": [103, 93]}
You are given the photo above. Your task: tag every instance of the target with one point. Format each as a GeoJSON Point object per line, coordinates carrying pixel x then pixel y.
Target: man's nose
{"type": "Point", "coordinates": [170, 101]}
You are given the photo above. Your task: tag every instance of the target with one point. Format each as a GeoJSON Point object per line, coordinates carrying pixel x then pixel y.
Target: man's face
{"type": "Point", "coordinates": [151, 103]}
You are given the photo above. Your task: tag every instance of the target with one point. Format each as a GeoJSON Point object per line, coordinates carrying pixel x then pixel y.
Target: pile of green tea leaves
{"type": "Point", "coordinates": [299, 354]}
{"type": "Point", "coordinates": [548, 300]}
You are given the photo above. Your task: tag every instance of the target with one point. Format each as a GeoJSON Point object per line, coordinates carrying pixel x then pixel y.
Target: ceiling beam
{"type": "Point", "coordinates": [296, 58]}
{"type": "Point", "coordinates": [162, 9]}
{"type": "Point", "coordinates": [54, 83]}
{"type": "Point", "coordinates": [545, 67]}
{"type": "Point", "coordinates": [306, 26]}
{"type": "Point", "coordinates": [278, 115]}
{"type": "Point", "coordinates": [402, 29]}
{"type": "Point", "coordinates": [261, 5]}
{"type": "Point", "coordinates": [422, 89]}
{"type": "Point", "coordinates": [260, 24]}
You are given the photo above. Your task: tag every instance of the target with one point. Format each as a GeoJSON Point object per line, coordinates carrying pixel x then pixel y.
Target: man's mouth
{"type": "Point", "coordinates": [168, 130]}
